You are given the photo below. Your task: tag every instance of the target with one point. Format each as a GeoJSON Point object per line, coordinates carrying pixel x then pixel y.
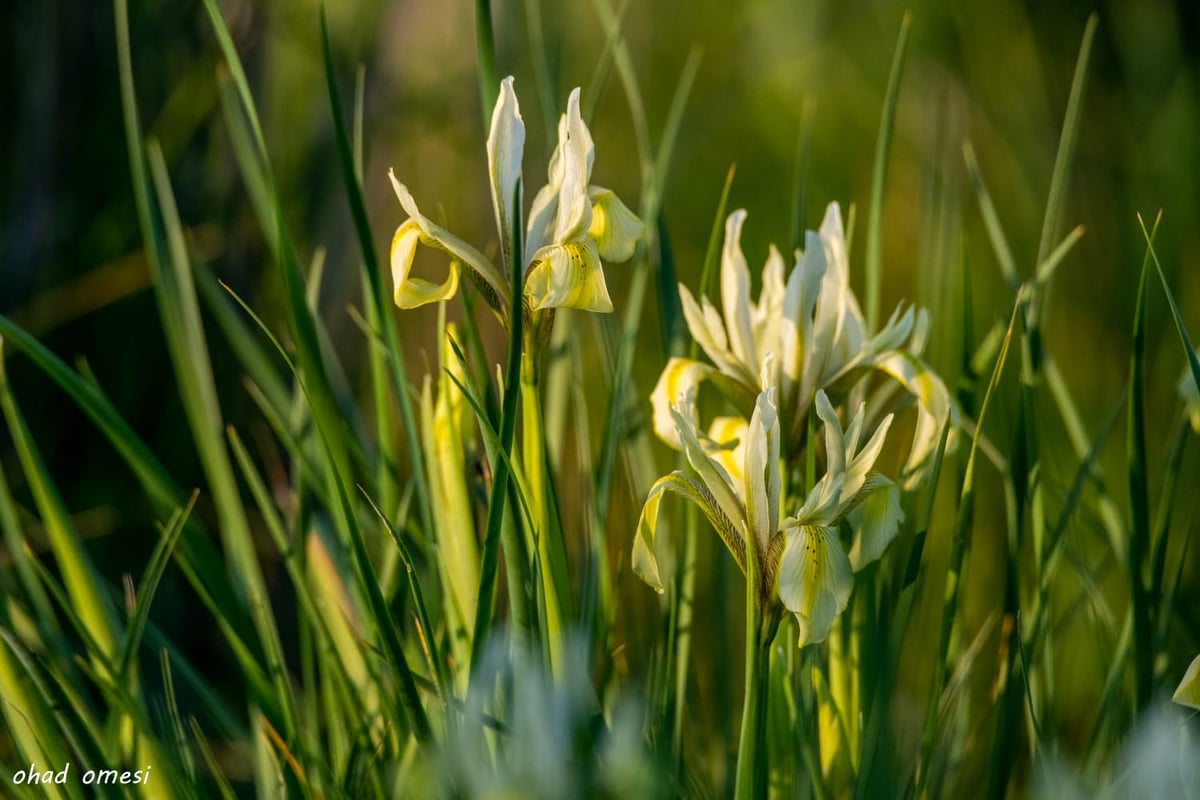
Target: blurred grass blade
{"type": "Point", "coordinates": [1066, 145]}
{"type": "Point", "coordinates": [883, 146]}
{"type": "Point", "coordinates": [991, 220]}
{"type": "Point", "coordinates": [1189, 349]}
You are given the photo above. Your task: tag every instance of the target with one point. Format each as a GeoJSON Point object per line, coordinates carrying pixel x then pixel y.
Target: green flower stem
{"type": "Point", "coordinates": [762, 621]}
{"type": "Point", "coordinates": [552, 559]}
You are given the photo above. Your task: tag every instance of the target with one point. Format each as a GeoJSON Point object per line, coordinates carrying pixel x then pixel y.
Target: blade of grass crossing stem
{"type": "Point", "coordinates": [883, 146]}
{"type": "Point", "coordinates": [1139, 501]}
{"type": "Point", "coordinates": [379, 313]}
{"type": "Point", "coordinates": [962, 524]}
{"type": "Point", "coordinates": [489, 563]}
{"type": "Point", "coordinates": [179, 311]}
{"type": "Point", "coordinates": [79, 574]}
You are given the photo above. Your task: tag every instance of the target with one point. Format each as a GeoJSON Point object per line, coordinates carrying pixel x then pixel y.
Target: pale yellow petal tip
{"type": "Point", "coordinates": [413, 292]}
{"type": "Point", "coordinates": [568, 276]}
{"type": "Point", "coordinates": [1188, 693]}
{"type": "Point", "coordinates": [615, 228]}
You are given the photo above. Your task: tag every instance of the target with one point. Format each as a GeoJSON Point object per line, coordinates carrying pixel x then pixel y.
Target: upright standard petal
{"type": "Point", "coordinates": [576, 153]}
{"type": "Point", "coordinates": [567, 275]}
{"type": "Point", "coordinates": [815, 578]}
{"type": "Point", "coordinates": [505, 149]}
{"type": "Point", "coordinates": [762, 470]}
{"type": "Point", "coordinates": [735, 291]}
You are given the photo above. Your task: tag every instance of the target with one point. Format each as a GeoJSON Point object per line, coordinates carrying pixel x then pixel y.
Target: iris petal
{"type": "Point", "coordinates": [815, 579]}
{"type": "Point", "coordinates": [567, 276]}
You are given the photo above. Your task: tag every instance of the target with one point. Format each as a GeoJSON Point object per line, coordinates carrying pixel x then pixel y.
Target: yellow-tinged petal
{"type": "Point", "coordinates": [681, 377]}
{"type": "Point", "coordinates": [615, 228]}
{"type": "Point", "coordinates": [815, 579]}
{"type": "Point", "coordinates": [1188, 693]}
{"type": "Point", "coordinates": [568, 276]}
{"type": "Point", "coordinates": [933, 407]}
{"type": "Point", "coordinates": [412, 292]}
{"type": "Point", "coordinates": [728, 438]}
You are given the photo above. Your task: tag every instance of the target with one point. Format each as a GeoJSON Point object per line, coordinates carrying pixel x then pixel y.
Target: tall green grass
{"type": "Point", "coordinates": [419, 570]}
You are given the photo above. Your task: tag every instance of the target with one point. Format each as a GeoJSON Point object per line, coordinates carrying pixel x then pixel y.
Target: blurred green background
{"type": "Point", "coordinates": [997, 73]}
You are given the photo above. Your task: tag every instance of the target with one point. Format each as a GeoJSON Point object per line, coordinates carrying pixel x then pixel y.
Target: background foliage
{"type": "Point", "coordinates": [72, 271]}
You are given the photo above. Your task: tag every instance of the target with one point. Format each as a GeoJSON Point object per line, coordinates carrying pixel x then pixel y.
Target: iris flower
{"type": "Point", "coordinates": [801, 560]}
{"type": "Point", "coordinates": [572, 225]}
{"type": "Point", "coordinates": [813, 327]}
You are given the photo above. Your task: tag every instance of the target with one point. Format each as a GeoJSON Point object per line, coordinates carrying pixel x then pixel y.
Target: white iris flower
{"type": "Point", "coordinates": [802, 561]}
{"type": "Point", "coordinates": [572, 225]}
{"type": "Point", "coordinates": [813, 327]}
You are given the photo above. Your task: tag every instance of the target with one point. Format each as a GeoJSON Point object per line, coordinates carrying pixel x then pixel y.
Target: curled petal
{"type": "Point", "coordinates": [411, 292]}
{"type": "Point", "coordinates": [615, 228]}
{"type": "Point", "coordinates": [875, 521]}
{"type": "Point", "coordinates": [567, 276]}
{"type": "Point", "coordinates": [815, 579]}
{"type": "Point", "coordinates": [505, 149]}
{"type": "Point", "coordinates": [933, 407]}
{"type": "Point", "coordinates": [835, 443]}
{"type": "Point", "coordinates": [680, 378]}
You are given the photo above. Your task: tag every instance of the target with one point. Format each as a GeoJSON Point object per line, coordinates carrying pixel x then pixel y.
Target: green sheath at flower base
{"type": "Point", "coordinates": [572, 225]}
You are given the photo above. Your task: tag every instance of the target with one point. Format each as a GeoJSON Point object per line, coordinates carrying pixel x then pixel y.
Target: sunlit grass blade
{"type": "Point", "coordinates": [485, 54]}
{"type": "Point", "coordinates": [80, 576]}
{"type": "Point", "coordinates": [883, 146]}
